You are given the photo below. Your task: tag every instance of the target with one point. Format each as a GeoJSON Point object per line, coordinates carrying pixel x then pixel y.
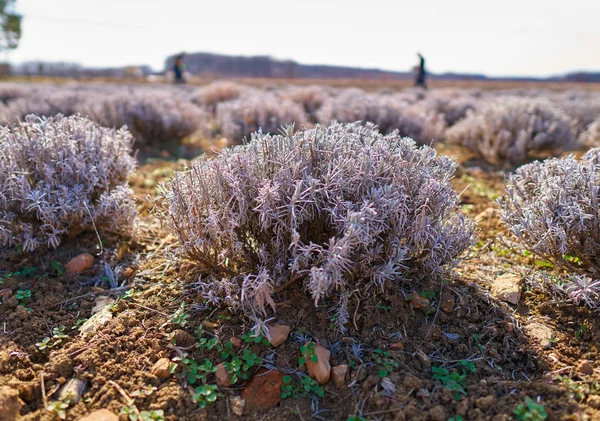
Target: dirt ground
{"type": "Point", "coordinates": [494, 360]}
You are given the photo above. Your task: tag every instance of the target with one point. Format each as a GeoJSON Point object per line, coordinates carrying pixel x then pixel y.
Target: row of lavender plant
{"type": "Point", "coordinates": [339, 208]}
{"type": "Point", "coordinates": [506, 126]}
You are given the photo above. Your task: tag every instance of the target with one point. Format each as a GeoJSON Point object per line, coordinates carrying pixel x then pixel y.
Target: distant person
{"type": "Point", "coordinates": [178, 69]}
{"type": "Point", "coordinates": [420, 73]}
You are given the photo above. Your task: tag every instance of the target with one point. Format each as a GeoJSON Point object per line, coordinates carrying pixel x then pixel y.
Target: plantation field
{"type": "Point", "coordinates": [332, 273]}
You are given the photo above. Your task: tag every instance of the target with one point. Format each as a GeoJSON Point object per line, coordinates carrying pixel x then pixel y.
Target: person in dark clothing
{"type": "Point", "coordinates": [420, 73]}
{"type": "Point", "coordinates": [178, 69]}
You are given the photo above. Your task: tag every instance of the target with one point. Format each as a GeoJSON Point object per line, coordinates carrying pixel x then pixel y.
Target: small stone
{"type": "Point", "coordinates": [397, 346]}
{"type": "Point", "coordinates": [160, 369]}
{"type": "Point", "coordinates": [92, 324]}
{"type": "Point", "coordinates": [237, 342]}
{"type": "Point", "coordinates": [182, 338]}
{"type": "Point", "coordinates": [594, 401]}
{"type": "Point", "coordinates": [585, 367]}
{"type": "Point", "coordinates": [10, 404]}
{"type": "Point", "coordinates": [263, 391]}
{"type": "Point", "coordinates": [419, 301]}
{"type": "Point", "coordinates": [543, 334]}
{"type": "Point", "coordinates": [210, 325]}
{"type": "Point", "coordinates": [437, 413]}
{"type": "Point", "coordinates": [507, 287]}
{"type": "Point", "coordinates": [101, 303]}
{"type": "Point", "coordinates": [100, 415]}
{"type": "Point", "coordinates": [412, 382]}
{"type": "Point", "coordinates": [222, 375]}
{"type": "Point", "coordinates": [485, 403]}
{"type": "Point", "coordinates": [128, 273]}
{"type": "Point", "coordinates": [447, 304]}
{"type": "Point", "coordinates": [72, 390]}
{"type": "Point", "coordinates": [279, 334]}
{"type": "Point", "coordinates": [424, 360]}
{"type": "Point", "coordinates": [80, 263]}
{"type": "Point", "coordinates": [338, 375]}
{"type": "Point", "coordinates": [319, 370]}
{"type": "Point", "coordinates": [237, 405]}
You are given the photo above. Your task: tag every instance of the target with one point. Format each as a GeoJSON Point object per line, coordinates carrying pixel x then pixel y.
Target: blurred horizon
{"type": "Point", "coordinates": [522, 39]}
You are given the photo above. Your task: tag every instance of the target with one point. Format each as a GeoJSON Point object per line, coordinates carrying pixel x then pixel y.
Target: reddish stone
{"type": "Point", "coordinates": [223, 377]}
{"type": "Point", "coordinates": [237, 342]}
{"type": "Point", "coordinates": [397, 346]}
{"type": "Point", "coordinates": [279, 334]}
{"type": "Point", "coordinates": [263, 391]}
{"type": "Point", "coordinates": [585, 367]}
{"type": "Point", "coordinates": [321, 369]}
{"type": "Point", "coordinates": [161, 369]}
{"type": "Point", "coordinates": [418, 301]}
{"type": "Point", "coordinates": [80, 263]}
{"type": "Point", "coordinates": [338, 375]}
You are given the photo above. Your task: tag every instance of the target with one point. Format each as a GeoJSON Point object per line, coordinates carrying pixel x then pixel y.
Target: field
{"type": "Point", "coordinates": [139, 333]}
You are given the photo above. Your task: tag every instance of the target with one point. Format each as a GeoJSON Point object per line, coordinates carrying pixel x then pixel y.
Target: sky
{"type": "Point", "coordinates": [497, 38]}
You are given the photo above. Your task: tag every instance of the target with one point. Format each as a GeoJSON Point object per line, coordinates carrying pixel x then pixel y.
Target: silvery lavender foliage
{"type": "Point", "coordinates": [388, 112]}
{"type": "Point", "coordinates": [310, 97]}
{"type": "Point", "coordinates": [11, 91]}
{"type": "Point", "coordinates": [152, 116]}
{"type": "Point", "coordinates": [552, 207]}
{"type": "Point", "coordinates": [60, 176]}
{"type": "Point", "coordinates": [509, 129]}
{"type": "Point", "coordinates": [339, 207]}
{"type": "Point", "coordinates": [591, 137]}
{"type": "Point", "coordinates": [45, 103]}
{"type": "Point", "coordinates": [215, 93]}
{"type": "Point", "coordinates": [260, 111]}
{"type": "Point", "coordinates": [582, 289]}
{"type": "Point", "coordinates": [583, 108]}
{"type": "Point", "coordinates": [452, 105]}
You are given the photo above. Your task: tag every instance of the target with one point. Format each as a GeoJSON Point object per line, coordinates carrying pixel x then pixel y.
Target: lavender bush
{"type": "Point", "coordinates": [215, 93]}
{"type": "Point", "coordinates": [583, 109]}
{"type": "Point", "coordinates": [552, 208]}
{"type": "Point", "coordinates": [151, 116]}
{"type": "Point", "coordinates": [591, 136]}
{"type": "Point", "coordinates": [388, 112]}
{"type": "Point", "coordinates": [509, 129]}
{"type": "Point", "coordinates": [451, 105]}
{"type": "Point", "coordinates": [60, 176]}
{"type": "Point", "coordinates": [12, 91]}
{"type": "Point", "coordinates": [239, 118]}
{"type": "Point", "coordinates": [310, 97]}
{"type": "Point", "coordinates": [339, 208]}
{"type": "Point", "coordinates": [45, 103]}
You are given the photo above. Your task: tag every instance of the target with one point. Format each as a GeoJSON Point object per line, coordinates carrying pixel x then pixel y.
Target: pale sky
{"type": "Point", "coordinates": [498, 38]}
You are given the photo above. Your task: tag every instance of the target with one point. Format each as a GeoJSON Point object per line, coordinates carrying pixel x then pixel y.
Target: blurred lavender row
{"type": "Point", "coordinates": [499, 126]}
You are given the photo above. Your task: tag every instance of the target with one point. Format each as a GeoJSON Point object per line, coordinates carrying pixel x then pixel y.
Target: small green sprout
{"type": "Point", "coordinates": [530, 411]}
{"type": "Point", "coordinates": [307, 352]}
{"type": "Point", "coordinates": [154, 415]}
{"type": "Point", "coordinates": [205, 394]}
{"type": "Point", "coordinates": [23, 296]}
{"type": "Point", "coordinates": [144, 392]}
{"type": "Point", "coordinates": [59, 408]}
